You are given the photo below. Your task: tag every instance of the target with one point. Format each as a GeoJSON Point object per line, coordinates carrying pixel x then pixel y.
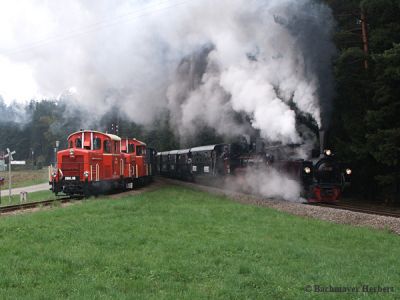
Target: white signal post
{"type": "Point", "coordinates": [55, 153]}
{"type": "Point", "coordinates": [10, 159]}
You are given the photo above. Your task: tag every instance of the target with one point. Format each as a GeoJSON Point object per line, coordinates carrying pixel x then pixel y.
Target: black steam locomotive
{"type": "Point", "coordinates": [323, 177]}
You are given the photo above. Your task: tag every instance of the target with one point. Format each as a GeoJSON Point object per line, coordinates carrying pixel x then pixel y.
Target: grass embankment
{"type": "Point", "coordinates": [25, 178]}
{"type": "Point", "coordinates": [176, 243]}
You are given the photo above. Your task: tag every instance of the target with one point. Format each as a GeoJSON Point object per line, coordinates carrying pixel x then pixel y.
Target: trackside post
{"type": "Point", "coordinates": [1, 184]}
{"type": "Point", "coordinates": [10, 159]}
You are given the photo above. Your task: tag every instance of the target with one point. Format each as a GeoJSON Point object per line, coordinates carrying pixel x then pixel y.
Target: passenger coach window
{"type": "Point", "coordinates": [107, 146]}
{"type": "Point", "coordinates": [78, 143]}
{"type": "Point", "coordinates": [97, 144]}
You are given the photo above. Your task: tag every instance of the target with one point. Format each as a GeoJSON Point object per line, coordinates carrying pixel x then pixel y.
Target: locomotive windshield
{"type": "Point", "coordinates": [107, 146]}
{"type": "Point", "coordinates": [97, 144]}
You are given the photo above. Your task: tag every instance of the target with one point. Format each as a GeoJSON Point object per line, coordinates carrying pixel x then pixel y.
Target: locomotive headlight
{"type": "Point", "coordinates": [71, 152]}
{"type": "Point", "coordinates": [307, 170]}
{"type": "Point", "coordinates": [54, 174]}
{"type": "Point", "coordinates": [348, 171]}
{"type": "Point", "coordinates": [328, 152]}
{"type": "Point", "coordinates": [86, 173]}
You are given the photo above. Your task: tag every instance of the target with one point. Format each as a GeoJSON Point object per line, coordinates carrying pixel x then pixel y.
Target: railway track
{"type": "Point", "coordinates": [64, 199]}
{"type": "Point", "coordinates": [29, 205]}
{"type": "Point", "coordinates": [355, 208]}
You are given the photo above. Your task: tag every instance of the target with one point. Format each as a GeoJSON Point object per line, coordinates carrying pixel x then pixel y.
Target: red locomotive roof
{"type": "Point", "coordinates": [135, 140]}
{"type": "Point", "coordinates": [111, 136]}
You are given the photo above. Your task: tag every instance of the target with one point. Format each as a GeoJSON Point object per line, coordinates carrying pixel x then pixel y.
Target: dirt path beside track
{"type": "Point", "coordinates": [29, 189]}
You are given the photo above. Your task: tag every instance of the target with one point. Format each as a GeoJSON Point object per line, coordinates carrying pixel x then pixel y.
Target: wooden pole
{"type": "Point", "coordinates": [364, 30]}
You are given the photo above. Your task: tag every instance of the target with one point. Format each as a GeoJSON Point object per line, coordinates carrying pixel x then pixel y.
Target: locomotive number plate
{"type": "Point", "coordinates": [70, 178]}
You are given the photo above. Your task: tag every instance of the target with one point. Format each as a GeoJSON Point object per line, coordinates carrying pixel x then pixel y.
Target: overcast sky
{"type": "Point", "coordinates": [37, 33]}
{"type": "Point", "coordinates": [17, 17]}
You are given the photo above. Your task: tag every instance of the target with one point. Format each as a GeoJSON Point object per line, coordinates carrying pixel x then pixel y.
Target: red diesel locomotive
{"type": "Point", "coordinates": [97, 162]}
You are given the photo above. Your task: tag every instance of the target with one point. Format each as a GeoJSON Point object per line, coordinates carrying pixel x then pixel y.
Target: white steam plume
{"type": "Point", "coordinates": [267, 182]}
{"type": "Point", "coordinates": [205, 61]}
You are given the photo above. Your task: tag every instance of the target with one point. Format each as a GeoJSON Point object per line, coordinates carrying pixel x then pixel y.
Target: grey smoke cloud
{"type": "Point", "coordinates": [204, 61]}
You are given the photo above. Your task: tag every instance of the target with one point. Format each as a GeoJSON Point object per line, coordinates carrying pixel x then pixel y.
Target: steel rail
{"type": "Point", "coordinates": [354, 208]}
{"type": "Point", "coordinates": [29, 205]}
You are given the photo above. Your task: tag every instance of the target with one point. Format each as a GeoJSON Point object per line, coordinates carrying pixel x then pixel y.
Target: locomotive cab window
{"type": "Point", "coordinates": [131, 148]}
{"type": "Point", "coordinates": [71, 144]}
{"type": "Point", "coordinates": [97, 143]}
{"type": "Point", "coordinates": [139, 151]}
{"type": "Point", "coordinates": [78, 143]}
{"type": "Point", "coordinates": [107, 146]}
{"type": "Point", "coordinates": [116, 147]}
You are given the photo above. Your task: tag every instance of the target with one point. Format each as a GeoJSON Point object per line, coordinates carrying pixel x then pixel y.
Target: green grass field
{"type": "Point", "coordinates": [22, 178]}
{"type": "Point", "coordinates": [176, 243]}
{"type": "Point", "coordinates": [32, 197]}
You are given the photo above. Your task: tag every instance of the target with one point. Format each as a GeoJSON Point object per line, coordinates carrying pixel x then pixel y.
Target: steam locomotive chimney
{"type": "Point", "coordinates": [321, 141]}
